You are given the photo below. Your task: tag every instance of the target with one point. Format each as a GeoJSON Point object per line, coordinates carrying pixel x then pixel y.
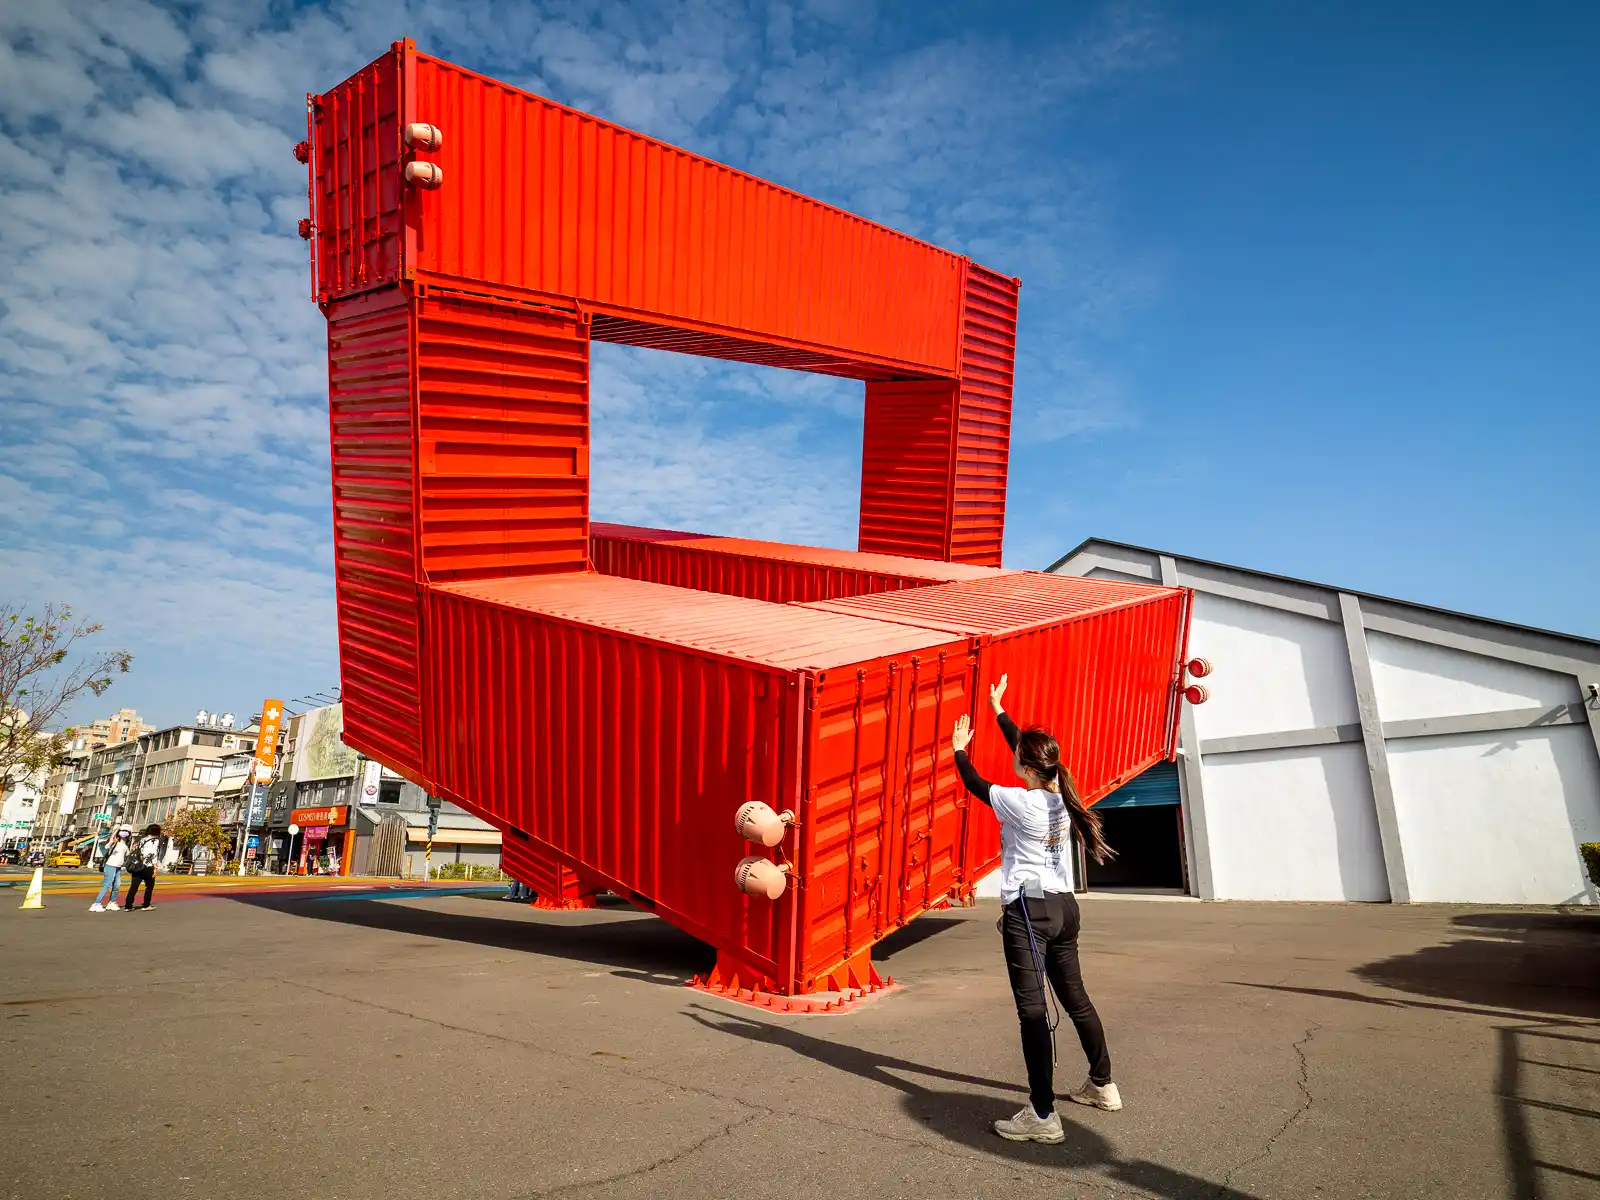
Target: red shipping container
{"type": "Point", "coordinates": [934, 452]}
{"type": "Point", "coordinates": [657, 242]}
{"type": "Point", "coordinates": [1096, 661]}
{"type": "Point", "coordinates": [629, 240]}
{"type": "Point", "coordinates": [772, 571]}
{"type": "Point", "coordinates": [621, 725]}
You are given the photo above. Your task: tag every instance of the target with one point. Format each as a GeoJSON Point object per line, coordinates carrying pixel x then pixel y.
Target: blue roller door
{"type": "Point", "coordinates": [1157, 786]}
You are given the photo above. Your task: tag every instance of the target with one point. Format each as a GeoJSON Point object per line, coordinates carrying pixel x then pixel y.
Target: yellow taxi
{"type": "Point", "coordinates": [64, 858]}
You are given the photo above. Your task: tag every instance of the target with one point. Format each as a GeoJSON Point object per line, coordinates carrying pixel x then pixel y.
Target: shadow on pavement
{"type": "Point", "coordinates": [643, 946]}
{"type": "Point", "coordinates": [1532, 962]}
{"type": "Point", "coordinates": [1528, 1119]}
{"type": "Point", "coordinates": [920, 930]}
{"type": "Point", "coordinates": [1519, 969]}
{"type": "Point", "coordinates": [646, 947]}
{"type": "Point", "coordinates": [964, 1116]}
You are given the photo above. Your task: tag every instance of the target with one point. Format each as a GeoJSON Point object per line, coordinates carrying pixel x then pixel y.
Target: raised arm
{"type": "Point", "coordinates": [1008, 727]}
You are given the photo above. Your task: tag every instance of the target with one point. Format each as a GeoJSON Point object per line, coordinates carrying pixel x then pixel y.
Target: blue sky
{"type": "Point", "coordinates": [1305, 288]}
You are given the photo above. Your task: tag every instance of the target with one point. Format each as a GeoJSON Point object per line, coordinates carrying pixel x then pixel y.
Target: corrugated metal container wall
{"type": "Point", "coordinates": [983, 425]}
{"type": "Point", "coordinates": [541, 197]}
{"type": "Point", "coordinates": [915, 571]}
{"type": "Point", "coordinates": [727, 574]}
{"type": "Point", "coordinates": [1103, 683]}
{"type": "Point", "coordinates": [503, 427]}
{"type": "Point", "coordinates": [626, 757]}
{"type": "Point", "coordinates": [554, 882]}
{"type": "Point", "coordinates": [905, 468]}
{"type": "Point", "coordinates": [757, 570]}
{"type": "Point", "coordinates": [374, 527]}
{"type": "Point", "coordinates": [654, 713]}
{"type": "Point", "coordinates": [1095, 661]}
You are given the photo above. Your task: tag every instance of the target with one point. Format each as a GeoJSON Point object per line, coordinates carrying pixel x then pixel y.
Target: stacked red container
{"type": "Point", "coordinates": [619, 725]}
{"type": "Point", "coordinates": [757, 570]}
{"type": "Point", "coordinates": [468, 243]}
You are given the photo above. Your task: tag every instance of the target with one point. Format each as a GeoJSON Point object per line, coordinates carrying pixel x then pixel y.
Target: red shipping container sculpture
{"type": "Point", "coordinates": [748, 738]}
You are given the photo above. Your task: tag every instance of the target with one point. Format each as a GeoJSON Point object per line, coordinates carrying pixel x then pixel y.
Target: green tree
{"type": "Point", "coordinates": [197, 826]}
{"type": "Point", "coordinates": [37, 682]}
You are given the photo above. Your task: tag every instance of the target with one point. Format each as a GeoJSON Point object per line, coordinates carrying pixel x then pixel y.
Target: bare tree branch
{"type": "Point", "coordinates": [37, 682]}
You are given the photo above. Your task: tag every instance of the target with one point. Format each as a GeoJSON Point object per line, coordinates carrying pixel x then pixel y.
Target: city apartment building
{"type": "Point", "coordinates": [124, 726]}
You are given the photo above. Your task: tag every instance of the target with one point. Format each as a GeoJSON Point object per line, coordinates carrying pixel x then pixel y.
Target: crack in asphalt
{"type": "Point", "coordinates": [664, 1161]}
{"type": "Point", "coordinates": [1304, 1082]}
{"type": "Point", "coordinates": [755, 1111]}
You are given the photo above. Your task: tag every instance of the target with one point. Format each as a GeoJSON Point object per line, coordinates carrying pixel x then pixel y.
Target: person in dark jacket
{"type": "Point", "coordinates": [1040, 920]}
{"type": "Point", "coordinates": [142, 864]}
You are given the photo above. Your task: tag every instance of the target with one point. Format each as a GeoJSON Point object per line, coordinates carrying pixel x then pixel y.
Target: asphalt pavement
{"type": "Point", "coordinates": [371, 1043]}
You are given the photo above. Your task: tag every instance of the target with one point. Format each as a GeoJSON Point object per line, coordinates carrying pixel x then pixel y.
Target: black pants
{"type": "Point", "coordinates": [1054, 917]}
{"type": "Point", "coordinates": [148, 878]}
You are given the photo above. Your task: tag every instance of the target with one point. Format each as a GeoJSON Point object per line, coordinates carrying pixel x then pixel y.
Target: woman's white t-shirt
{"type": "Point", "coordinates": [1035, 839]}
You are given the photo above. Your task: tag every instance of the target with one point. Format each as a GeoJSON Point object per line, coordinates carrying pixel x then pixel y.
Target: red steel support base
{"type": "Point", "coordinates": [853, 982]}
{"type": "Point", "coordinates": [558, 903]}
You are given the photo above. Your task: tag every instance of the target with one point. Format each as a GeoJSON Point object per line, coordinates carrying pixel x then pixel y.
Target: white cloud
{"type": "Point", "coordinates": [163, 427]}
{"type": "Point", "coordinates": [689, 444]}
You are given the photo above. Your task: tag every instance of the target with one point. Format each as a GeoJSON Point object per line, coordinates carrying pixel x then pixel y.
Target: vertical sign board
{"type": "Point", "coordinates": [371, 779]}
{"type": "Point", "coordinates": [267, 740]}
{"type": "Point", "coordinates": [258, 805]}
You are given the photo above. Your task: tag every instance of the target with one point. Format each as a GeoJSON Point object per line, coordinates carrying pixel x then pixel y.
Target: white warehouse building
{"type": "Point", "coordinates": [1361, 748]}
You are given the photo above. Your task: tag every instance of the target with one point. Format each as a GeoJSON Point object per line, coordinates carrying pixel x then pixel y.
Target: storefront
{"type": "Point", "coordinates": [324, 844]}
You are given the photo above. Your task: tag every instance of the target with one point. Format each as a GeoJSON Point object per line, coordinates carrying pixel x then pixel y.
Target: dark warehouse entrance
{"type": "Point", "coordinates": [1143, 822]}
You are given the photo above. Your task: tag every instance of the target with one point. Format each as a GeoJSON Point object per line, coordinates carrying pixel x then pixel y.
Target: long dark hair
{"type": "Point", "coordinates": [1040, 753]}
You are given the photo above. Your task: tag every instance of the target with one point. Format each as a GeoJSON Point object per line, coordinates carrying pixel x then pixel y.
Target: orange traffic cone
{"type": "Point", "coordinates": [35, 896]}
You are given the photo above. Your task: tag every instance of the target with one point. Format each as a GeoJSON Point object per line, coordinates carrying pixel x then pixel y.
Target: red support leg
{"type": "Point", "coordinates": [845, 986]}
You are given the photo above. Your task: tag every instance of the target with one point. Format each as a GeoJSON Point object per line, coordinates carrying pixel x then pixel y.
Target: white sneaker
{"type": "Point", "coordinates": [112, 907]}
{"type": "Point", "coordinates": [1029, 1126]}
{"type": "Point", "coordinates": [97, 907]}
{"type": "Point", "coordinates": [1097, 1095]}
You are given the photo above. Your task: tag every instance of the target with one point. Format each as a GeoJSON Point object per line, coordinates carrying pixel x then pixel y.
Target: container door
{"type": "Point", "coordinates": [847, 828]}
{"type": "Point", "coordinates": [934, 691]}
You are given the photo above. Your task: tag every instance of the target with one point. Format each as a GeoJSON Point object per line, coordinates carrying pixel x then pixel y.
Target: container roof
{"type": "Point", "coordinates": [931, 570]}
{"type": "Point", "coordinates": [1008, 603]}
{"type": "Point", "coordinates": [786, 636]}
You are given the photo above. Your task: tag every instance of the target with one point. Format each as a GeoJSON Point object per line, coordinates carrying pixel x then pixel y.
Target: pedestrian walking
{"type": "Point", "coordinates": [142, 868]}
{"type": "Point", "coordinates": [111, 870]}
{"type": "Point", "coordinates": [1039, 923]}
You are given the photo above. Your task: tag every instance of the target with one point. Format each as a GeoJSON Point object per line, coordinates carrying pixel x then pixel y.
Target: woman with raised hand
{"type": "Point", "coordinates": [1040, 921]}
